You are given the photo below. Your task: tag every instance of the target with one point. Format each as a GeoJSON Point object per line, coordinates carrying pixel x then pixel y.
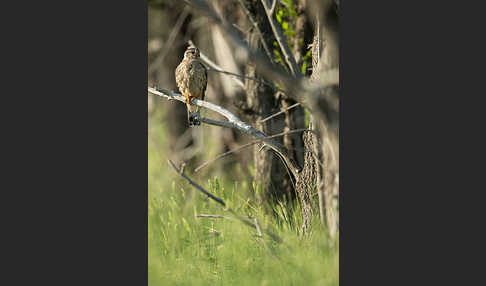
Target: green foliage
{"type": "Point", "coordinates": [186, 250]}
{"type": "Point", "coordinates": [307, 117]}
{"type": "Point", "coordinates": [307, 62]}
{"type": "Point", "coordinates": [286, 19]}
{"type": "Point", "coordinates": [286, 15]}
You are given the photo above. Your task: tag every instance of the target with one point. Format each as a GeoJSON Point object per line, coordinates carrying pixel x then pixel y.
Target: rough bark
{"type": "Point", "coordinates": [271, 176]}
{"type": "Point", "coordinates": [325, 56]}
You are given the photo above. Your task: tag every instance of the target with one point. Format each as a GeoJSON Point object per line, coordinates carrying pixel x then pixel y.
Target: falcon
{"type": "Point", "coordinates": [192, 78]}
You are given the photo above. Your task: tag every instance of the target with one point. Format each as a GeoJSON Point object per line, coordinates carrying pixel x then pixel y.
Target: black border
{"type": "Point", "coordinates": [77, 77]}
{"type": "Point", "coordinates": [76, 155]}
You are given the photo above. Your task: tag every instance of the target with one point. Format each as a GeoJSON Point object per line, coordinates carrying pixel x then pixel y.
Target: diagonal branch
{"type": "Point", "coordinates": [280, 112]}
{"type": "Point", "coordinates": [240, 83]}
{"type": "Point", "coordinates": [201, 189]}
{"type": "Point", "coordinates": [248, 145]}
{"type": "Point", "coordinates": [213, 216]}
{"type": "Point", "coordinates": [216, 68]}
{"type": "Point", "coordinates": [233, 122]}
{"type": "Point", "coordinates": [221, 202]}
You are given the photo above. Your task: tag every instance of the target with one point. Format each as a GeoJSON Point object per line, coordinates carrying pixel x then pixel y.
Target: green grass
{"type": "Point", "coordinates": [185, 250]}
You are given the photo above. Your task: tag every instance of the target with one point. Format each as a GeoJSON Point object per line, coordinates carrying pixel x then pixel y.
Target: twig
{"type": "Point", "coordinates": [201, 189]}
{"type": "Point", "coordinates": [261, 148]}
{"type": "Point", "coordinates": [257, 225]}
{"type": "Point", "coordinates": [213, 67]}
{"type": "Point", "coordinates": [221, 202]}
{"type": "Point", "coordinates": [213, 216]}
{"type": "Point", "coordinates": [247, 77]}
{"type": "Point", "coordinates": [254, 23]}
{"type": "Point", "coordinates": [247, 145]}
{"type": "Point", "coordinates": [280, 112]}
{"type": "Point", "coordinates": [233, 122]}
{"type": "Point", "coordinates": [183, 166]}
{"type": "Point", "coordinates": [274, 4]}
{"type": "Point", "coordinates": [282, 42]}
{"type": "Point", "coordinates": [217, 216]}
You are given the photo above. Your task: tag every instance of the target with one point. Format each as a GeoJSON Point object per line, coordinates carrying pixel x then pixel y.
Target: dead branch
{"type": "Point", "coordinates": [222, 203]}
{"type": "Point", "coordinates": [274, 4]}
{"type": "Point", "coordinates": [248, 145]}
{"type": "Point", "coordinates": [201, 189]}
{"type": "Point", "coordinates": [280, 112]}
{"type": "Point", "coordinates": [233, 122]}
{"type": "Point", "coordinates": [246, 77]}
{"type": "Point", "coordinates": [217, 216]}
{"type": "Point", "coordinates": [213, 67]}
{"type": "Point", "coordinates": [213, 216]}
{"type": "Point", "coordinates": [257, 226]}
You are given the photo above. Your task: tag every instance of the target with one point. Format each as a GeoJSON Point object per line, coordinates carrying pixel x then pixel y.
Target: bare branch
{"type": "Point", "coordinates": [201, 189]}
{"type": "Point", "coordinates": [216, 68]}
{"type": "Point", "coordinates": [221, 202]}
{"type": "Point", "coordinates": [247, 77]}
{"type": "Point", "coordinates": [278, 33]}
{"type": "Point", "coordinates": [280, 112]}
{"type": "Point", "coordinates": [272, 9]}
{"type": "Point", "coordinates": [218, 216]}
{"type": "Point", "coordinates": [248, 145]}
{"type": "Point", "coordinates": [257, 226]}
{"type": "Point", "coordinates": [239, 82]}
{"type": "Point", "coordinates": [216, 122]}
{"type": "Point", "coordinates": [233, 122]}
{"type": "Point", "coordinates": [213, 216]}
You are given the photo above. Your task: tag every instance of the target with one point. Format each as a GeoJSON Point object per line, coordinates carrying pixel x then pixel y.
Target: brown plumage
{"type": "Point", "coordinates": [192, 79]}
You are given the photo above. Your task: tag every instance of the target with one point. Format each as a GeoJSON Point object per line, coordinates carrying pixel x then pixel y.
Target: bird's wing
{"type": "Point", "coordinates": [179, 75]}
{"type": "Point", "coordinates": [199, 78]}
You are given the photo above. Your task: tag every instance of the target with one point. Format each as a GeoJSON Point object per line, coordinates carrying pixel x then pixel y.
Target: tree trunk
{"type": "Point", "coordinates": [325, 55]}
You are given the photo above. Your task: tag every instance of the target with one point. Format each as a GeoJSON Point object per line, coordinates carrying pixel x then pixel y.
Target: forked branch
{"type": "Point", "coordinates": [233, 122]}
{"type": "Point", "coordinates": [248, 145]}
{"type": "Point", "coordinates": [242, 219]}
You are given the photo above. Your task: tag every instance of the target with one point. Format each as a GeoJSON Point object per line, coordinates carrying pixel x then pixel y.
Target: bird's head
{"type": "Point", "coordinates": [191, 53]}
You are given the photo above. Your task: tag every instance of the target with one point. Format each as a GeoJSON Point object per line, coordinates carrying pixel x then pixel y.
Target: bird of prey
{"type": "Point", "coordinates": [192, 79]}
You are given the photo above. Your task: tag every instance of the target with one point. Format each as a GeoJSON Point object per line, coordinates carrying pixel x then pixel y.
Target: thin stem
{"type": "Point", "coordinates": [280, 112]}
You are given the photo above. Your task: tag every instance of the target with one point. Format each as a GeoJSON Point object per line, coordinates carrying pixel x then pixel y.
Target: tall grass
{"type": "Point", "coordinates": [186, 250]}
